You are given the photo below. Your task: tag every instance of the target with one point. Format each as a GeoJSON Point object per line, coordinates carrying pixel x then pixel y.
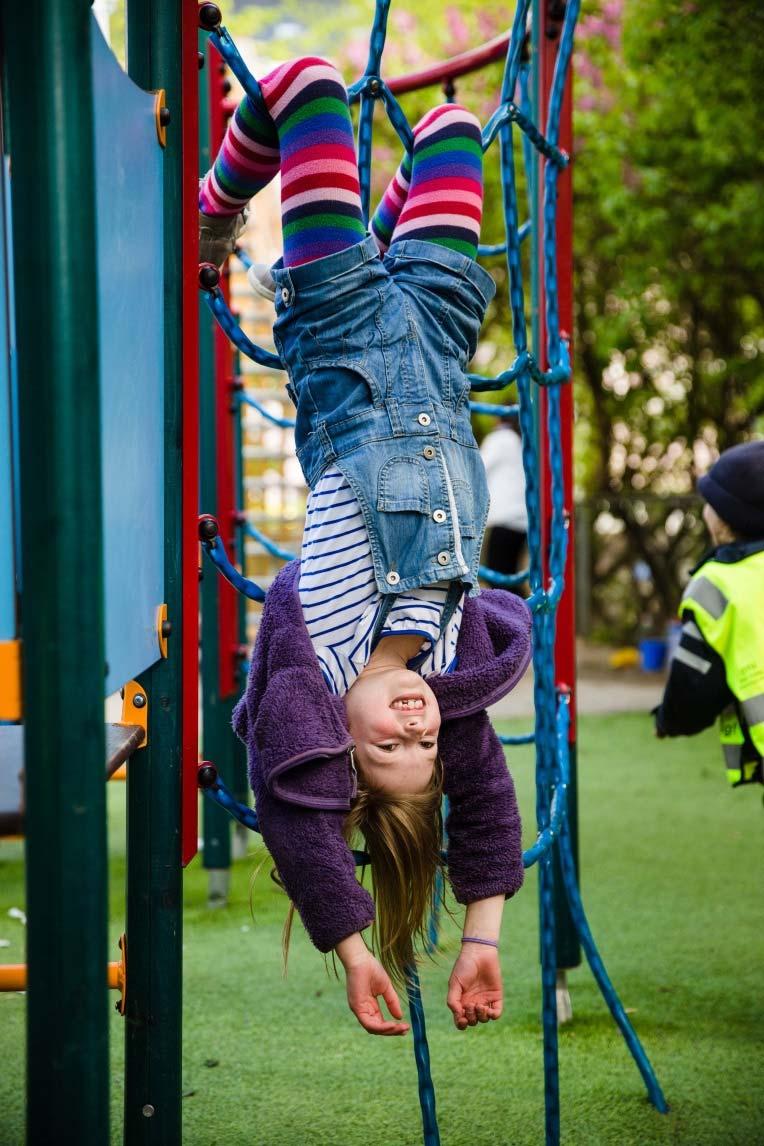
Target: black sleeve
{"type": "Point", "coordinates": [696, 690]}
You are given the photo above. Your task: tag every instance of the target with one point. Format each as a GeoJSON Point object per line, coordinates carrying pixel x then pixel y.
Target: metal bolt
{"type": "Point", "coordinates": [148, 1111]}
{"type": "Point", "coordinates": [209, 276]}
{"type": "Point", "coordinates": [374, 87]}
{"type": "Point", "coordinates": [139, 700]}
{"type": "Point", "coordinates": [210, 17]}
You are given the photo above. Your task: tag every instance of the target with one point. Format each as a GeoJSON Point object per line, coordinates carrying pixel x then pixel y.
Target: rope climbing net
{"type": "Point", "coordinates": [545, 573]}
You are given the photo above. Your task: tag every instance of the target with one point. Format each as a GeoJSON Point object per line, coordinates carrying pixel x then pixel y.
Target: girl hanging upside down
{"type": "Point", "coordinates": [376, 658]}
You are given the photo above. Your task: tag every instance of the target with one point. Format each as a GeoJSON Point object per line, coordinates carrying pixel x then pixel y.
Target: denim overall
{"type": "Point", "coordinates": [376, 352]}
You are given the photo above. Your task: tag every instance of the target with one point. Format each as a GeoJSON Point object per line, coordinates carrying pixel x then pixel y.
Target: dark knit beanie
{"type": "Point", "coordinates": [734, 487]}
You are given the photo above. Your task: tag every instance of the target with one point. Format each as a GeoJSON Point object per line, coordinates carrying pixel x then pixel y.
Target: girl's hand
{"type": "Point", "coordinates": [366, 980]}
{"type": "Point", "coordinates": [475, 992]}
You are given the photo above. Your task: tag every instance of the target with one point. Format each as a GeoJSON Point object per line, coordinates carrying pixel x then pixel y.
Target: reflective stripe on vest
{"type": "Point", "coordinates": [753, 709]}
{"type": "Point", "coordinates": [707, 595]}
{"type": "Point", "coordinates": [727, 602]}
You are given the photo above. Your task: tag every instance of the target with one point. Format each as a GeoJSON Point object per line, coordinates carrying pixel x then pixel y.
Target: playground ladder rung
{"type": "Point", "coordinates": [262, 453]}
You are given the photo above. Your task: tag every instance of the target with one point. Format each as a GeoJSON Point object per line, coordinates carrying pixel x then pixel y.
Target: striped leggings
{"type": "Point", "coordinates": [305, 134]}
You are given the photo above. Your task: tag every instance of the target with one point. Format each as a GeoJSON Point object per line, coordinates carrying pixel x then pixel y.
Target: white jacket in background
{"type": "Point", "coordinates": [502, 455]}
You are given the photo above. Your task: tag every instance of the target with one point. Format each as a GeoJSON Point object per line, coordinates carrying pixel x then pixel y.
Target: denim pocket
{"type": "Point", "coordinates": [403, 486]}
{"type": "Point", "coordinates": [341, 388]}
{"type": "Point", "coordinates": [466, 507]}
{"type": "Point", "coordinates": [343, 336]}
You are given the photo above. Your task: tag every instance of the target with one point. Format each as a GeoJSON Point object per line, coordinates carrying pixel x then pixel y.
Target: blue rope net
{"type": "Point", "coordinates": [552, 708]}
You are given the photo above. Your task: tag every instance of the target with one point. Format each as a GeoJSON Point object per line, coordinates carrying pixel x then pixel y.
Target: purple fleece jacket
{"type": "Point", "coordinates": [298, 744]}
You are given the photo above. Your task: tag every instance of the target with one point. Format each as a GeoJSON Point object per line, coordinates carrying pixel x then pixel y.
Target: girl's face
{"type": "Point", "coordinates": [394, 720]}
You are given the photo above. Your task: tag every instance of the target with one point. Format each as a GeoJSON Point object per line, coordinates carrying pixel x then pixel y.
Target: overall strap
{"type": "Point", "coordinates": [454, 595]}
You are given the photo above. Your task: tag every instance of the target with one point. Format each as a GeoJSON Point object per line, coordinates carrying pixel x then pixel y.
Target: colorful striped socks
{"type": "Point", "coordinates": [306, 133]}
{"type": "Point", "coordinates": [248, 159]}
{"type": "Point", "coordinates": [386, 216]}
{"type": "Point", "coordinates": [320, 194]}
{"type": "Point", "coordinates": [444, 204]}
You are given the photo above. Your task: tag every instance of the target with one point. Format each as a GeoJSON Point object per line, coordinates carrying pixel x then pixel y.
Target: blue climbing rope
{"type": "Point", "coordinates": [216, 551]}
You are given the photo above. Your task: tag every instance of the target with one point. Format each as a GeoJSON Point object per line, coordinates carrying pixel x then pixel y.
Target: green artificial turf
{"type": "Point", "coordinates": [671, 878]}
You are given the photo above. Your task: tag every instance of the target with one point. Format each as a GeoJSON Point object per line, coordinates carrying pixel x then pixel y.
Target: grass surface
{"type": "Point", "coordinates": [671, 875]}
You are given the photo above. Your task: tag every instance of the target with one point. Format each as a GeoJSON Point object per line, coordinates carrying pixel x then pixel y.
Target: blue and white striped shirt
{"type": "Point", "coordinates": [340, 600]}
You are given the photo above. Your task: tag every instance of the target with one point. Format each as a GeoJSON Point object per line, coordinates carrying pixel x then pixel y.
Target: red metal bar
{"type": "Point", "coordinates": [190, 431]}
{"type": "Point", "coordinates": [565, 643]}
{"type": "Point", "coordinates": [461, 65]}
{"type": "Point", "coordinates": [221, 109]}
{"type": "Point", "coordinates": [451, 69]}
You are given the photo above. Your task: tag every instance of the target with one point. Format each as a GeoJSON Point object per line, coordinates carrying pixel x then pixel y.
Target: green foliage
{"type": "Point", "coordinates": [668, 234]}
{"type": "Point", "coordinates": [669, 245]}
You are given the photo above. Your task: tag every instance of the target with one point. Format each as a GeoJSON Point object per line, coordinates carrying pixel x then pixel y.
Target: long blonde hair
{"type": "Point", "coordinates": [403, 837]}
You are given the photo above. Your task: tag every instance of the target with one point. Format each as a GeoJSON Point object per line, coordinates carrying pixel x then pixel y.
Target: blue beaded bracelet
{"type": "Point", "coordinates": [484, 942]}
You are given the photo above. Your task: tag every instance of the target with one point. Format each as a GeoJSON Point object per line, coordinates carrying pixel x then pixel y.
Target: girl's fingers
{"type": "Point", "coordinates": [454, 999]}
{"type": "Point", "coordinates": [470, 1015]}
{"type": "Point", "coordinates": [393, 1002]}
{"type": "Point", "coordinates": [376, 1025]}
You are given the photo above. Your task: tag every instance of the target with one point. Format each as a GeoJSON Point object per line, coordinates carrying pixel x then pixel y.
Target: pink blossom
{"type": "Point", "coordinates": [356, 53]}
{"type": "Point", "coordinates": [458, 30]}
{"type": "Point", "coordinates": [585, 69]}
{"type": "Point", "coordinates": [403, 21]}
{"type": "Point", "coordinates": [488, 25]}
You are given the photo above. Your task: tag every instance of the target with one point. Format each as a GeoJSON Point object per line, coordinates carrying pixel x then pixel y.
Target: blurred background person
{"type": "Point", "coordinates": [507, 525]}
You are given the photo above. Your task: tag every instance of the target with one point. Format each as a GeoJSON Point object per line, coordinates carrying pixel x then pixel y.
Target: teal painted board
{"type": "Point", "coordinates": [129, 163]}
{"type": "Point", "coordinates": [7, 532]}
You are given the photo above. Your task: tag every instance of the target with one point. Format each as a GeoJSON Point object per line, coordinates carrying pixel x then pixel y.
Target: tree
{"type": "Point", "coordinates": [669, 289]}
{"type": "Point", "coordinates": [669, 242]}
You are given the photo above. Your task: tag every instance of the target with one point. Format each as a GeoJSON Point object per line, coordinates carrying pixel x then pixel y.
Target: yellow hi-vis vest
{"type": "Point", "coordinates": [727, 601]}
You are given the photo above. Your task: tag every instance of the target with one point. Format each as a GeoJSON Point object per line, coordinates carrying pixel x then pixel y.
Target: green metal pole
{"type": "Point", "coordinates": [154, 875]}
{"type": "Point", "coordinates": [240, 777]}
{"type": "Point", "coordinates": [61, 549]}
{"type": "Point", "coordinates": [217, 734]}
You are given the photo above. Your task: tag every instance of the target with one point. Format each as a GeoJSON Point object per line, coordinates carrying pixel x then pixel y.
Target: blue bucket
{"type": "Point", "coordinates": [652, 653]}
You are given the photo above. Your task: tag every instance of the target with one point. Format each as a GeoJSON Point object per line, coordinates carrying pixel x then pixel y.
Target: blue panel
{"type": "Point", "coordinates": [130, 274]}
{"type": "Point", "coordinates": [7, 565]}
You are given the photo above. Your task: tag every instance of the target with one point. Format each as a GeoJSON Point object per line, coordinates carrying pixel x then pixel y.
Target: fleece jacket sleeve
{"type": "Point", "coordinates": [316, 867]}
{"type": "Point", "coordinates": [484, 846]}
